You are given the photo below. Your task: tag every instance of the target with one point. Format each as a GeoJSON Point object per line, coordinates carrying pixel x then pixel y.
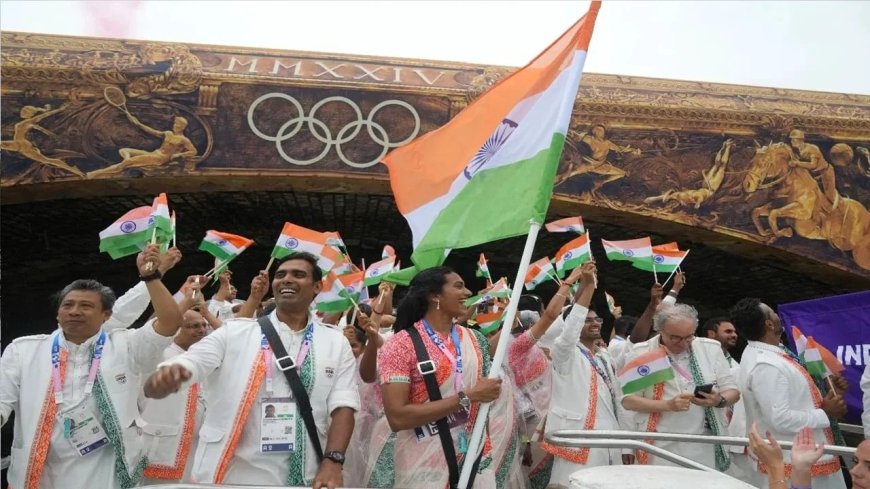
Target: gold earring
{"type": "Point", "coordinates": [438, 304]}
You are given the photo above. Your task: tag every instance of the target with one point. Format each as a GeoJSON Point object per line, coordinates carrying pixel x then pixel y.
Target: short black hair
{"type": "Point", "coordinates": [365, 308]}
{"type": "Point", "coordinates": [316, 272]}
{"type": "Point", "coordinates": [530, 302]}
{"type": "Point", "coordinates": [624, 324]}
{"type": "Point", "coordinates": [107, 295]}
{"type": "Point", "coordinates": [712, 324]}
{"type": "Point", "coordinates": [749, 318]}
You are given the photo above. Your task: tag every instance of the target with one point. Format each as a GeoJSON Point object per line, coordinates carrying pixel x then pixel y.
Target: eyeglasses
{"type": "Point", "coordinates": [679, 339]}
{"type": "Point", "coordinates": [595, 320]}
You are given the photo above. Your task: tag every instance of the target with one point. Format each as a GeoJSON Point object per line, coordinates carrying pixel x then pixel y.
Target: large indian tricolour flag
{"type": "Point", "coordinates": [489, 171]}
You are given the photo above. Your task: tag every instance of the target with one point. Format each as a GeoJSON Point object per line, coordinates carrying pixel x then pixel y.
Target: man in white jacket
{"type": "Point", "coordinates": [779, 394]}
{"type": "Point", "coordinates": [74, 391]}
{"type": "Point", "coordinates": [238, 444]}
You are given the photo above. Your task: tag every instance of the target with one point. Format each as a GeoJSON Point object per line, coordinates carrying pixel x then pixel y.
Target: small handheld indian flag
{"type": "Point", "coordinates": [646, 371]}
{"type": "Point", "coordinates": [224, 246]}
{"type": "Point", "coordinates": [334, 239]}
{"type": "Point", "coordinates": [489, 321]}
{"type": "Point", "coordinates": [388, 252]}
{"type": "Point", "coordinates": [567, 225]}
{"type": "Point", "coordinates": [482, 268]}
{"type": "Point", "coordinates": [539, 272]}
{"type": "Point", "coordinates": [630, 250]}
{"type": "Point", "coordinates": [498, 291]}
{"type": "Point", "coordinates": [573, 254]}
{"type": "Point", "coordinates": [297, 239]}
{"type": "Point", "coordinates": [377, 271]}
{"type": "Point", "coordinates": [663, 260]}
{"type": "Point", "coordinates": [339, 292]}
{"type": "Point", "coordinates": [161, 220]}
{"type": "Point", "coordinates": [611, 302]}
{"type": "Point", "coordinates": [803, 344]}
{"type": "Point", "coordinates": [128, 234]}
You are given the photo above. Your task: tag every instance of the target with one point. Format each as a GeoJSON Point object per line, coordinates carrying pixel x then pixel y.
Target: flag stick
{"type": "Point", "coordinates": [173, 231]}
{"type": "Point", "coordinates": [831, 384]}
{"type": "Point", "coordinates": [150, 265]}
{"type": "Point", "coordinates": [655, 274]}
{"type": "Point", "coordinates": [193, 292]}
{"type": "Point", "coordinates": [269, 265]}
{"type": "Point", "coordinates": [589, 242]}
{"type": "Point", "coordinates": [678, 268]}
{"type": "Point", "coordinates": [555, 277]}
{"type": "Point", "coordinates": [475, 443]}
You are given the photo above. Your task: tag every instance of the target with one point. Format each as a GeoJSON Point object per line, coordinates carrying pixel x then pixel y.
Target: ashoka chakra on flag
{"type": "Point", "coordinates": [659, 259]}
{"type": "Point", "coordinates": [643, 370]}
{"type": "Point", "coordinates": [128, 226]}
{"type": "Point", "coordinates": [291, 243]}
{"type": "Point", "coordinates": [628, 252]}
{"type": "Point", "coordinates": [490, 147]}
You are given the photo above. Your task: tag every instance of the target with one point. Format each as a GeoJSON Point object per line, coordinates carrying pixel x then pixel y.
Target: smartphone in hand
{"type": "Point", "coordinates": [706, 388]}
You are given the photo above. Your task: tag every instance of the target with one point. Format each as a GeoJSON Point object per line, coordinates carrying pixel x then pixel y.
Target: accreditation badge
{"type": "Point", "coordinates": [83, 430]}
{"type": "Point", "coordinates": [277, 424]}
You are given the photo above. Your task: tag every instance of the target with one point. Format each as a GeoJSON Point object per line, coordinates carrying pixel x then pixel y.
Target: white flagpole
{"type": "Point", "coordinates": [476, 442]}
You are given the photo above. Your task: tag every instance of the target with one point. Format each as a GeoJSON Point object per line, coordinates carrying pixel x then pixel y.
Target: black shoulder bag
{"type": "Point", "coordinates": [288, 365]}
{"type": "Point", "coordinates": [427, 369]}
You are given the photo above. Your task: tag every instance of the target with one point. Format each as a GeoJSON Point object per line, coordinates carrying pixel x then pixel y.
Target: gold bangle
{"type": "Point", "coordinates": [559, 294]}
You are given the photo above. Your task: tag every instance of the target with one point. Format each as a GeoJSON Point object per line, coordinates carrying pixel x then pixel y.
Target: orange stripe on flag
{"type": "Point", "coordinates": [425, 169]}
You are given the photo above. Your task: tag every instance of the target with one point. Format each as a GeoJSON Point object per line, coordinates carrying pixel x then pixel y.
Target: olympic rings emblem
{"type": "Point", "coordinates": [322, 133]}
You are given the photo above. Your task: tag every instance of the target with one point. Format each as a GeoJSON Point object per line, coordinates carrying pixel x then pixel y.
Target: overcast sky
{"type": "Point", "coordinates": [806, 45]}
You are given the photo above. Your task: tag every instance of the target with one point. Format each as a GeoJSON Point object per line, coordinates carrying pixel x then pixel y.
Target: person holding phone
{"type": "Point", "coordinates": [694, 399]}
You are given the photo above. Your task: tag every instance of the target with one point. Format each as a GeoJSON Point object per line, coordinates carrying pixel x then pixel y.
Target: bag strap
{"type": "Point", "coordinates": [289, 369]}
{"type": "Point", "coordinates": [427, 369]}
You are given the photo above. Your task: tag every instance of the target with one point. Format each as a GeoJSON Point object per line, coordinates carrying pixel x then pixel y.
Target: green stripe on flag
{"type": "Point", "coordinates": [646, 382]}
{"type": "Point", "coordinates": [214, 250]}
{"type": "Point", "coordinates": [515, 194]}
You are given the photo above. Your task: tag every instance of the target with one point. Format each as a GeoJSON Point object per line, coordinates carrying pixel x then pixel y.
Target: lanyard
{"type": "Point", "coordinates": [680, 369]}
{"type": "Point", "coordinates": [455, 361]}
{"type": "Point", "coordinates": [601, 372]}
{"type": "Point", "coordinates": [57, 381]}
{"type": "Point", "coordinates": [300, 357]}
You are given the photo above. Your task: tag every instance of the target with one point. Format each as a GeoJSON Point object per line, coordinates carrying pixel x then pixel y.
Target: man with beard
{"type": "Point", "coordinates": [722, 330]}
{"type": "Point", "coordinates": [779, 394]}
{"type": "Point", "coordinates": [237, 443]}
{"type": "Point", "coordinates": [584, 387]}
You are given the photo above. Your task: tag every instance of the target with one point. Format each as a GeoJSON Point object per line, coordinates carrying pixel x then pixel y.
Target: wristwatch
{"type": "Point", "coordinates": [335, 456]}
{"type": "Point", "coordinates": [464, 401]}
{"type": "Point", "coordinates": [723, 402]}
{"type": "Point", "coordinates": [152, 276]}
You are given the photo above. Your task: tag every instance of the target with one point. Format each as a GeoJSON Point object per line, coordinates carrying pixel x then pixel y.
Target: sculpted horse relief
{"type": "Point", "coordinates": [799, 201]}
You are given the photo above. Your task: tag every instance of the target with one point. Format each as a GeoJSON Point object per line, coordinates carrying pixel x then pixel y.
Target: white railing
{"type": "Point", "coordinates": [631, 439]}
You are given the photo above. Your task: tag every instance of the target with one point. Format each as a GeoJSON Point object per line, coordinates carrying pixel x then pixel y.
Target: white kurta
{"type": "Point", "coordinates": [714, 369]}
{"type": "Point", "coordinates": [573, 397]}
{"type": "Point", "coordinates": [226, 358]}
{"type": "Point", "coordinates": [865, 388]}
{"type": "Point", "coordinates": [164, 426]}
{"type": "Point", "coordinates": [778, 397]}
{"type": "Point", "coordinates": [25, 373]}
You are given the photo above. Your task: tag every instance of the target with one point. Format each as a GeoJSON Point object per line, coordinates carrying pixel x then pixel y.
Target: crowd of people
{"type": "Point", "coordinates": [265, 391]}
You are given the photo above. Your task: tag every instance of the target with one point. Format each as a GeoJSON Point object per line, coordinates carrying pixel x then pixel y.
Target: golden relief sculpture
{"type": "Point", "coordinates": [593, 148]}
{"type": "Point", "coordinates": [175, 145]}
{"type": "Point", "coordinates": [45, 167]}
{"type": "Point", "coordinates": [713, 179]}
{"type": "Point", "coordinates": [799, 198]}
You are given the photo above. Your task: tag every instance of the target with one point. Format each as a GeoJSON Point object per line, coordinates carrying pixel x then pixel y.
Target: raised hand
{"type": "Point", "coordinates": [768, 452]}
{"type": "Point", "coordinates": [805, 451]}
{"type": "Point", "coordinates": [679, 281]}
{"type": "Point", "coordinates": [260, 286]}
{"type": "Point", "coordinates": [166, 380]}
{"type": "Point", "coordinates": [148, 260]}
{"type": "Point", "coordinates": [168, 260]}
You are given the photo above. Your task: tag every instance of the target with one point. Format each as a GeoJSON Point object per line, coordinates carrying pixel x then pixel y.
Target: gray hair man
{"type": "Point", "coordinates": [693, 400]}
